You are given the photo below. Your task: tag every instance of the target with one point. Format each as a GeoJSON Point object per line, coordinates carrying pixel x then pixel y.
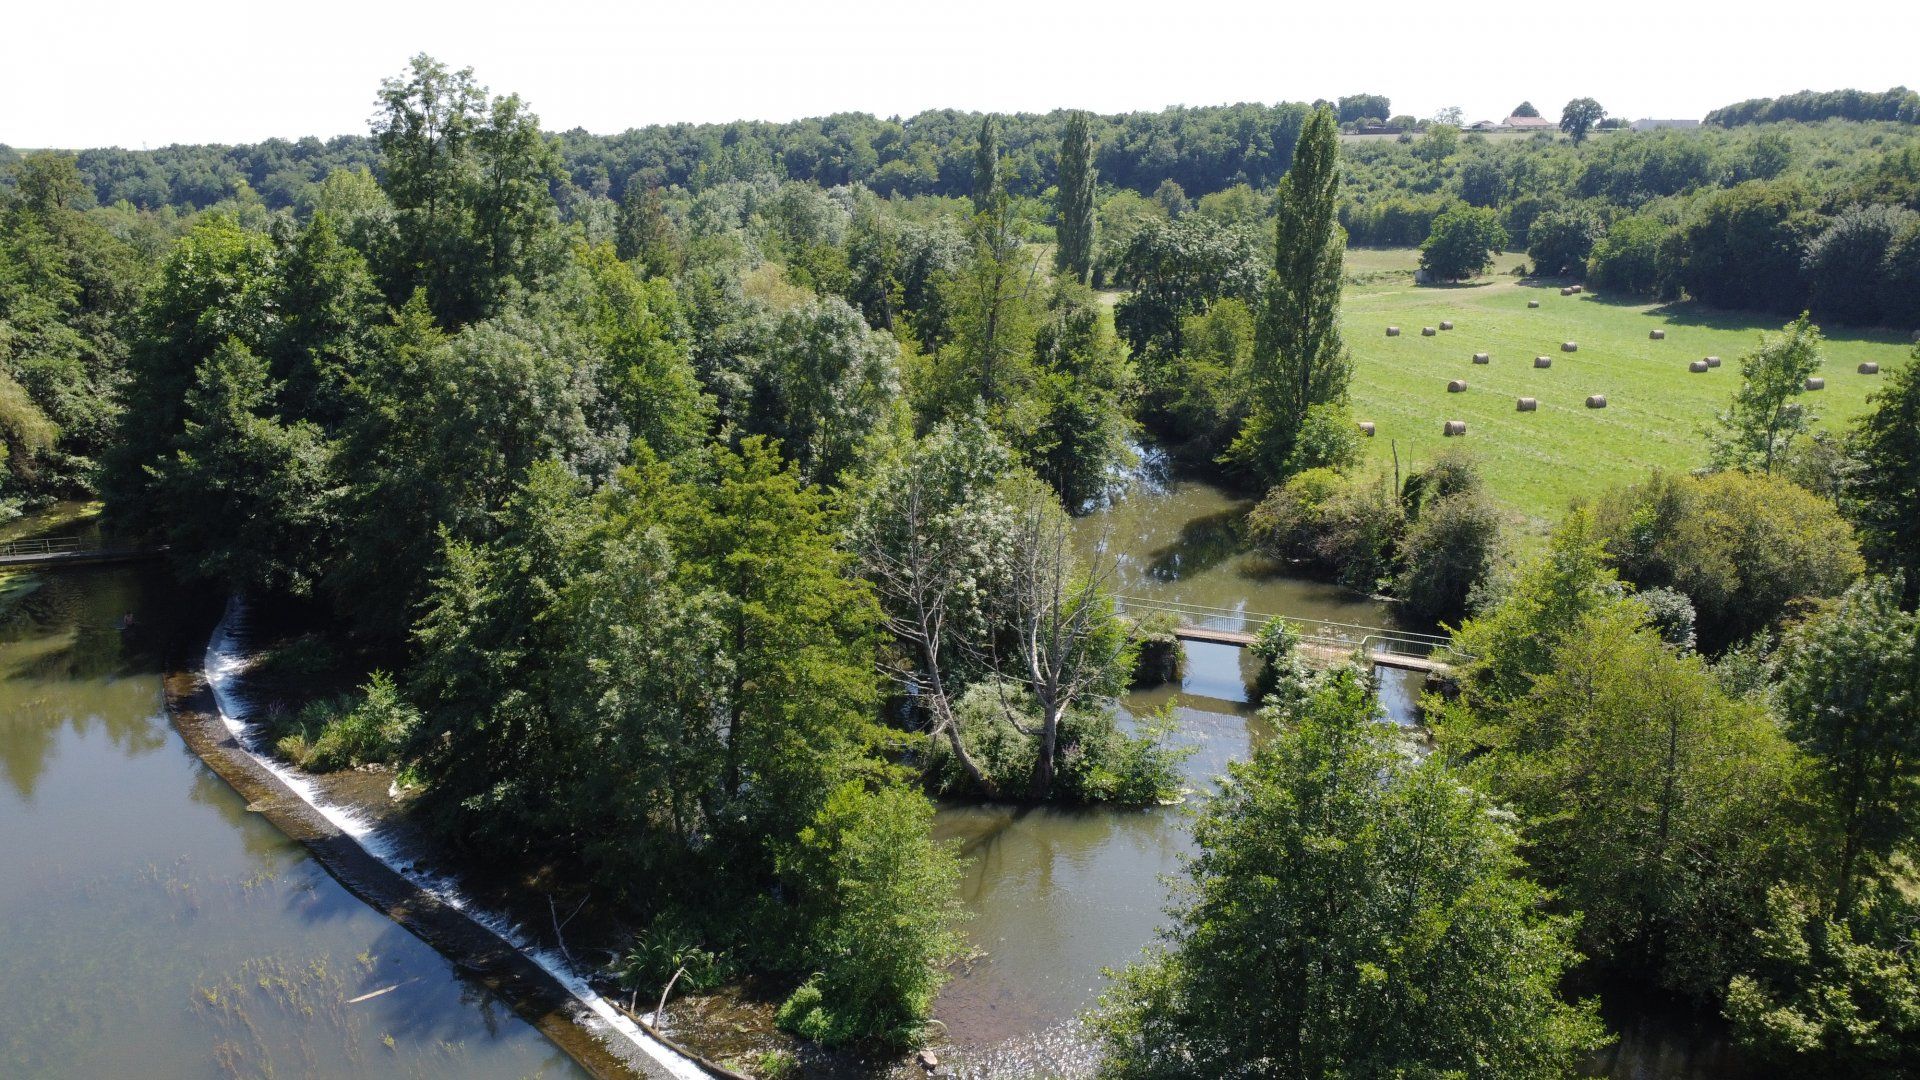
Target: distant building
{"type": "Point", "coordinates": [1651, 124]}
{"type": "Point", "coordinates": [1528, 123]}
{"type": "Point", "coordinates": [1483, 125]}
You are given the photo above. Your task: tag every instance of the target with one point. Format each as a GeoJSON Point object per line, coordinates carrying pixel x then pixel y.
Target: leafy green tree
{"type": "Point", "coordinates": [1350, 913]}
{"type": "Point", "coordinates": [1650, 801]}
{"type": "Point", "coordinates": [1845, 263]}
{"type": "Point", "coordinates": [1744, 547]}
{"type": "Point", "coordinates": [1635, 256]}
{"type": "Point", "coordinates": [1765, 416]}
{"type": "Point", "coordinates": [1449, 550]}
{"type": "Point", "coordinates": [1744, 247]}
{"type": "Point", "coordinates": [829, 386]}
{"type": "Point", "coordinates": [1363, 106]}
{"type": "Point", "coordinates": [1179, 269]}
{"type": "Point", "coordinates": [1559, 242]}
{"type": "Point", "coordinates": [1525, 108]}
{"type": "Point", "coordinates": [249, 498]}
{"type": "Point", "coordinates": [993, 304]}
{"type": "Point", "coordinates": [986, 167]}
{"type": "Point", "coordinates": [1884, 494]}
{"type": "Point", "coordinates": [1826, 1000]}
{"type": "Point", "coordinates": [1578, 116]}
{"type": "Point", "coordinates": [1850, 696]}
{"type": "Point", "coordinates": [1073, 254]}
{"type": "Point", "coordinates": [211, 290]}
{"type": "Point", "coordinates": [644, 235]}
{"type": "Point", "coordinates": [469, 176]}
{"type": "Point", "coordinates": [329, 313]}
{"type": "Point", "coordinates": [642, 331]}
{"type": "Point", "coordinates": [1462, 243]}
{"type": "Point", "coordinates": [1299, 360]}
{"type": "Point", "coordinates": [1441, 142]}
{"type": "Point", "coordinates": [1083, 389]}
{"type": "Point", "coordinates": [447, 430]}
{"type": "Point", "coordinates": [883, 901]}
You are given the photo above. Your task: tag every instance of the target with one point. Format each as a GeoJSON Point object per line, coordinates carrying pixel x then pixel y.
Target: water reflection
{"type": "Point", "coordinates": [151, 926]}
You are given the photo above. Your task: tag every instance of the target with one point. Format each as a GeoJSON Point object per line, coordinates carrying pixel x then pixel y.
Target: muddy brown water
{"type": "Point", "coordinates": [150, 924]}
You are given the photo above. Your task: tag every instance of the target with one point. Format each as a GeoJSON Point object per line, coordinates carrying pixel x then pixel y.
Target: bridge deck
{"type": "Point", "coordinates": [1324, 653]}
{"type": "Point", "coordinates": [44, 559]}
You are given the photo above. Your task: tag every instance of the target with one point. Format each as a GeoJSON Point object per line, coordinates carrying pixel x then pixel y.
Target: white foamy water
{"type": "Point", "coordinates": [223, 666]}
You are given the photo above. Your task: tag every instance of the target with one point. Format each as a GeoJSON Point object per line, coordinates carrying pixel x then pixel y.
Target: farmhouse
{"type": "Point", "coordinates": [1527, 123]}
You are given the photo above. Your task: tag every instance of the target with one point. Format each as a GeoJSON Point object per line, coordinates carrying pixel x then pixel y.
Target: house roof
{"type": "Point", "coordinates": [1528, 122]}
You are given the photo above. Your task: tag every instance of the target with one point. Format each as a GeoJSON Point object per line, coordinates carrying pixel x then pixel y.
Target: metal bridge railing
{"type": "Point", "coordinates": [50, 545]}
{"type": "Point", "coordinates": [1324, 632]}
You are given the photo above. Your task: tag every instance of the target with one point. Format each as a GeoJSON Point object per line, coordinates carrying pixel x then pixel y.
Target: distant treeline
{"type": "Point", "coordinates": [1898, 104]}
{"type": "Point", "coordinates": [1202, 149]}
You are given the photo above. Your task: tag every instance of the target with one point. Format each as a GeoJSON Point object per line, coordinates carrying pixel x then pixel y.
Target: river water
{"type": "Point", "coordinates": [1055, 895]}
{"type": "Point", "coordinates": [150, 925]}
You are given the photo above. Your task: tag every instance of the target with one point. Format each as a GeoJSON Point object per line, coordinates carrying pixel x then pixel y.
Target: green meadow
{"type": "Point", "coordinates": [1537, 462]}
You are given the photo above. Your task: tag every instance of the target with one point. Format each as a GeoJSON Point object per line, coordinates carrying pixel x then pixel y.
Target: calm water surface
{"type": "Point", "coordinates": [150, 925]}
{"type": "Point", "coordinates": [1056, 894]}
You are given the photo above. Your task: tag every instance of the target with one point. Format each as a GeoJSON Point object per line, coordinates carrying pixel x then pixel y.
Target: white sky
{"type": "Point", "coordinates": [114, 72]}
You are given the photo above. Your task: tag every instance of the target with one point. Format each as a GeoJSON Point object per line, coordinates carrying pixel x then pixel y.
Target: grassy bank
{"type": "Point", "coordinates": [1536, 462]}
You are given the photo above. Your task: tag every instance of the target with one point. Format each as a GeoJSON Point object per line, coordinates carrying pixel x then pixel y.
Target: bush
{"type": "Point", "coordinates": [1633, 257]}
{"type": "Point", "coordinates": [1344, 527]}
{"type": "Point", "coordinates": [348, 731]}
{"type": "Point", "coordinates": [1559, 241]}
{"type": "Point", "coordinates": [1328, 439]}
{"type": "Point", "coordinates": [1098, 763]}
{"type": "Point", "coordinates": [1448, 553]}
{"type": "Point", "coordinates": [1159, 657]}
{"type": "Point", "coordinates": [670, 944]}
{"type": "Point", "coordinates": [878, 897]}
{"type": "Point", "coordinates": [1283, 681]}
{"type": "Point", "coordinates": [1741, 546]}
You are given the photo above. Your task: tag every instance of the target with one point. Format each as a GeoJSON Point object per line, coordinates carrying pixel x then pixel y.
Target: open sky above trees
{"type": "Point", "coordinates": [223, 71]}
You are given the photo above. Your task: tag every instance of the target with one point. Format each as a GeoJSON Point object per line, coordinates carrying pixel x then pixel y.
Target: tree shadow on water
{"type": "Point", "coordinates": [1203, 543]}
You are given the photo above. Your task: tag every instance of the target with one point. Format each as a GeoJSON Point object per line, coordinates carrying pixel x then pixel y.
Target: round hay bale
{"type": "Point", "coordinates": [1393, 331]}
{"type": "Point", "coordinates": [1533, 303]}
{"type": "Point", "coordinates": [1569, 346]}
{"type": "Point", "coordinates": [1428, 331]}
{"type": "Point", "coordinates": [1698, 366]}
{"type": "Point", "coordinates": [1454, 427]}
{"type": "Point", "coordinates": [1657, 335]}
{"type": "Point", "coordinates": [1869, 369]}
{"type": "Point", "coordinates": [1713, 361]}
{"type": "Point", "coordinates": [1457, 386]}
{"type": "Point", "coordinates": [1596, 401]}
{"type": "Point", "coordinates": [1575, 288]}
{"type": "Point", "coordinates": [1526, 404]}
{"type": "Point", "coordinates": [1482, 358]}
{"type": "Point", "coordinates": [1446, 324]}
{"type": "Point", "coordinates": [1543, 361]}
{"type": "Point", "coordinates": [1366, 428]}
{"type": "Point", "coordinates": [1567, 291]}
{"type": "Point", "coordinates": [1816, 383]}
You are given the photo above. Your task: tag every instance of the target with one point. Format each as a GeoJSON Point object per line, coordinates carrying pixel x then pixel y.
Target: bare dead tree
{"type": "Point", "coordinates": [917, 578]}
{"type": "Point", "coordinates": [1067, 639]}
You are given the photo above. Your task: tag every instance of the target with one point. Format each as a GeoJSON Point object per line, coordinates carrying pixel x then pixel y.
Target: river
{"type": "Point", "coordinates": [150, 925]}
{"type": "Point", "coordinates": [1055, 895]}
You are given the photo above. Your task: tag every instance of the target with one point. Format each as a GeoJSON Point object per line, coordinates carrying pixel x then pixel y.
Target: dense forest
{"type": "Point", "coordinates": [693, 505]}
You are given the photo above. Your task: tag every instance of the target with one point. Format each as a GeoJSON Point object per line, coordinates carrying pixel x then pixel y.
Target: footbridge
{"type": "Point", "coordinates": [54, 551]}
{"type": "Point", "coordinates": [1323, 642]}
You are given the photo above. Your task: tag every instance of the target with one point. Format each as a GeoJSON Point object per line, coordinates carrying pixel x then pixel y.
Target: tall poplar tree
{"type": "Point", "coordinates": [1299, 359]}
{"type": "Point", "coordinates": [986, 167]}
{"type": "Point", "coordinates": [1074, 252]}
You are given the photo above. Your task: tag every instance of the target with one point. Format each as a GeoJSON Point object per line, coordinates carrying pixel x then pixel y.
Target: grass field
{"type": "Point", "coordinates": [1537, 462]}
